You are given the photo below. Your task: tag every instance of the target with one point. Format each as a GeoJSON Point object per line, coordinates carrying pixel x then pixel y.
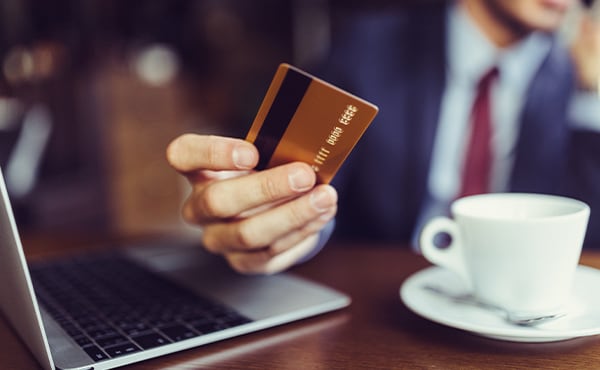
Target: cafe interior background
{"type": "Point", "coordinates": [92, 92]}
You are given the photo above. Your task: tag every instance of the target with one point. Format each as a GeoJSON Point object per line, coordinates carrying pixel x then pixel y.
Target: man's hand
{"type": "Point", "coordinates": [586, 54]}
{"type": "Point", "coordinates": [261, 222]}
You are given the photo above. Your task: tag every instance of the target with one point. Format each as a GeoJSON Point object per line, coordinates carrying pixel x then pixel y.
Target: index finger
{"type": "Point", "coordinates": [190, 152]}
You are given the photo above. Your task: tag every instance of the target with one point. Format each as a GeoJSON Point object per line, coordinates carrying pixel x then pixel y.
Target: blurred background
{"type": "Point", "coordinates": [92, 91]}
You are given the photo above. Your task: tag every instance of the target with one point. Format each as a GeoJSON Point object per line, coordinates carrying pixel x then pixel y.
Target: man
{"type": "Point", "coordinates": [422, 70]}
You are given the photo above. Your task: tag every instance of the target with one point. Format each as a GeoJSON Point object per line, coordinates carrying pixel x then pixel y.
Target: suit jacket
{"type": "Point", "coordinates": [397, 60]}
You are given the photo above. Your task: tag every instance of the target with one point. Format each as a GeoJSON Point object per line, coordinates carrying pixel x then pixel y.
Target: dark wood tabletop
{"type": "Point", "coordinates": [376, 331]}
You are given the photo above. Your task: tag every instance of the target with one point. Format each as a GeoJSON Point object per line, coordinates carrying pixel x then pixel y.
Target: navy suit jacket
{"type": "Point", "coordinates": [396, 59]}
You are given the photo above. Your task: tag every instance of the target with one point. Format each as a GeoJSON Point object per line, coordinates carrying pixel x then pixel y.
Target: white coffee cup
{"type": "Point", "coordinates": [515, 250]}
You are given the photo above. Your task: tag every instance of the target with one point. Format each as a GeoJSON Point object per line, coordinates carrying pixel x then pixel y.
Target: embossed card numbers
{"type": "Point", "coordinates": [303, 118]}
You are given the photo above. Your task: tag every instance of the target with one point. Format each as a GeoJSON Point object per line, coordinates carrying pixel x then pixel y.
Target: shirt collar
{"type": "Point", "coordinates": [471, 54]}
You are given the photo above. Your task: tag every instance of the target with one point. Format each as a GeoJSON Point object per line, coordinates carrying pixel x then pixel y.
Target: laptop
{"type": "Point", "coordinates": [100, 310]}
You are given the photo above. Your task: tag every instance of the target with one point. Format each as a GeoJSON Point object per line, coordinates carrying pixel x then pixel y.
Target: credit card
{"type": "Point", "coordinates": [303, 118]}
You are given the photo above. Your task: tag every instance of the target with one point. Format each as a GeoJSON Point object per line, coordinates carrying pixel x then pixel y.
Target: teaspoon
{"type": "Point", "coordinates": [515, 318]}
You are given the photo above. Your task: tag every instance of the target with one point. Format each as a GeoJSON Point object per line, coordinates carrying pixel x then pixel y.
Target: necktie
{"type": "Point", "coordinates": [478, 159]}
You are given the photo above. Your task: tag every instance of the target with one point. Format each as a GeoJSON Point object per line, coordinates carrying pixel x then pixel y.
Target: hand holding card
{"type": "Point", "coordinates": [303, 118]}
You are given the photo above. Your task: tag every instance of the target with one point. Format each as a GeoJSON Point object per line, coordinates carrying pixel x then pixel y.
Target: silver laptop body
{"type": "Point", "coordinates": [266, 301]}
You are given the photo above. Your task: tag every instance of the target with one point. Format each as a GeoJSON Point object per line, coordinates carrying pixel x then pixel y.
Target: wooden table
{"type": "Point", "coordinates": [376, 331]}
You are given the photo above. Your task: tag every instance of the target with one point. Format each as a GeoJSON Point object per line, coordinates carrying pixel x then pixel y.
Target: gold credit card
{"type": "Point", "coordinates": [303, 118]}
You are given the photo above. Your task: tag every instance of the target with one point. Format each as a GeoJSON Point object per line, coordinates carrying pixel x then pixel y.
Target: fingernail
{"type": "Point", "coordinates": [322, 200]}
{"type": "Point", "coordinates": [300, 180]}
{"type": "Point", "coordinates": [243, 158]}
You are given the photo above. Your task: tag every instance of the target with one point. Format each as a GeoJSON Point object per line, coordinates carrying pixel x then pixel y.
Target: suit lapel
{"type": "Point", "coordinates": [540, 159]}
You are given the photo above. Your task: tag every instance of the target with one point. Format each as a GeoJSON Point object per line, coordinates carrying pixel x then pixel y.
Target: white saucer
{"type": "Point", "coordinates": [582, 319]}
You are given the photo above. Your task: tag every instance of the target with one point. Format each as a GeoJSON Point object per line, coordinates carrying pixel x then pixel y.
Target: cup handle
{"type": "Point", "coordinates": [450, 257]}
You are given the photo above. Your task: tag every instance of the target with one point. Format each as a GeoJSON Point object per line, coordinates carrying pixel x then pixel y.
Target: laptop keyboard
{"type": "Point", "coordinates": [112, 307]}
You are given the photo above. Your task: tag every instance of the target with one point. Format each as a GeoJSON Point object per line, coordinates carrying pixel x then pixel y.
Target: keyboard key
{"type": "Point", "coordinates": [82, 340]}
{"type": "Point", "coordinates": [206, 327]}
{"type": "Point", "coordinates": [111, 341]}
{"type": "Point", "coordinates": [71, 330]}
{"type": "Point", "coordinates": [150, 340]}
{"type": "Point", "coordinates": [101, 333]}
{"type": "Point", "coordinates": [178, 332]}
{"type": "Point", "coordinates": [121, 349]}
{"type": "Point", "coordinates": [95, 353]}
{"type": "Point", "coordinates": [133, 329]}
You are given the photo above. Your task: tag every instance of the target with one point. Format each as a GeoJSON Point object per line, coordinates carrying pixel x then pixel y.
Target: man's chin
{"type": "Point", "coordinates": [548, 20]}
